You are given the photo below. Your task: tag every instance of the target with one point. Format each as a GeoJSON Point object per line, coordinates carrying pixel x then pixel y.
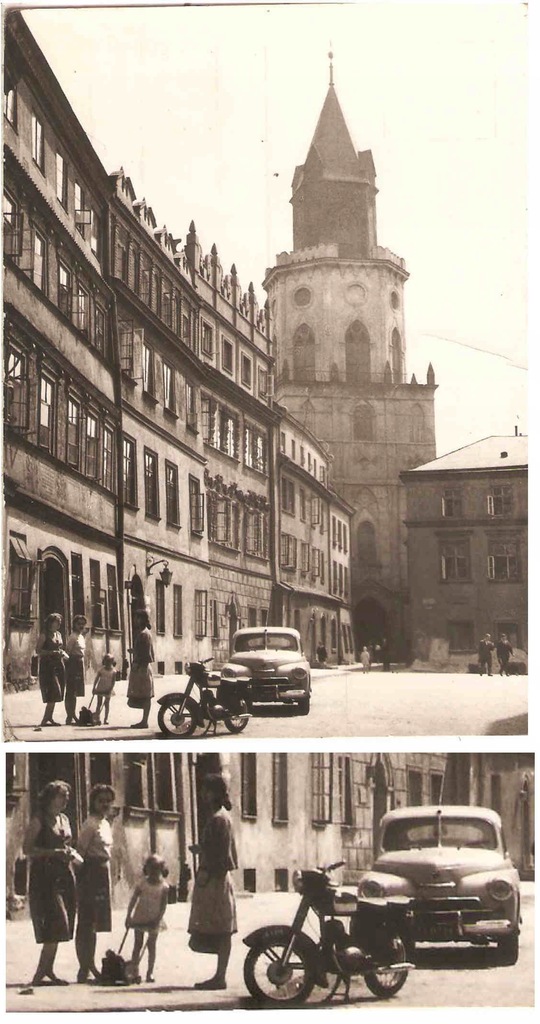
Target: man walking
{"type": "Point", "coordinates": [504, 650]}
{"type": "Point", "coordinates": [485, 648]}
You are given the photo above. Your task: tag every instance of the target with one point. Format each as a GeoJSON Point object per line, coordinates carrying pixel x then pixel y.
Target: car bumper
{"type": "Point", "coordinates": [458, 923]}
{"type": "Point", "coordinates": [267, 692]}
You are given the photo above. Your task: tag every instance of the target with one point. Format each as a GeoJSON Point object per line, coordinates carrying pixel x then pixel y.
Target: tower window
{"type": "Point", "coordinates": [302, 297]}
{"type": "Point", "coordinates": [363, 423]}
{"type": "Point", "coordinates": [304, 353]}
{"type": "Point", "coordinates": [357, 354]}
{"type": "Point", "coordinates": [396, 359]}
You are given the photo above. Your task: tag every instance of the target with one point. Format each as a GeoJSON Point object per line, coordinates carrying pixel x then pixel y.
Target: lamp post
{"type": "Point", "coordinates": [165, 574]}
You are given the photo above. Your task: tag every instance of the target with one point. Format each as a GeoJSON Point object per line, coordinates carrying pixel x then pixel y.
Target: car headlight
{"type": "Point", "coordinates": [228, 673]}
{"type": "Point", "coordinates": [297, 881]}
{"type": "Point", "coordinates": [370, 889]}
{"type": "Point", "coordinates": [298, 672]}
{"type": "Point", "coordinates": [500, 889]}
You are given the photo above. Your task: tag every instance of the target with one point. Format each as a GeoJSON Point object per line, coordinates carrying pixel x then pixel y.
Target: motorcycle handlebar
{"type": "Point", "coordinates": [332, 867]}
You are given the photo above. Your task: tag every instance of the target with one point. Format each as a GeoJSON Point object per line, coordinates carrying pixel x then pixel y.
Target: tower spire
{"type": "Point", "coordinates": [331, 57]}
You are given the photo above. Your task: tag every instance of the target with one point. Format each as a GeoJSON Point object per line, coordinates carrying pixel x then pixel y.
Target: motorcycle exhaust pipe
{"type": "Point", "coordinates": [395, 968]}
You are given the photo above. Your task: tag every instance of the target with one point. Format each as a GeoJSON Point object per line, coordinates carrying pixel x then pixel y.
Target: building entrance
{"type": "Point", "coordinates": [370, 623]}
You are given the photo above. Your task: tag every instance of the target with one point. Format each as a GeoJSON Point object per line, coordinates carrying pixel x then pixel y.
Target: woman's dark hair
{"type": "Point", "coordinates": [144, 617]}
{"type": "Point", "coordinates": [49, 620]}
{"type": "Point", "coordinates": [99, 790]}
{"type": "Point", "coordinates": [154, 860]}
{"type": "Point", "coordinates": [51, 790]}
{"type": "Point", "coordinates": [218, 788]}
{"type": "Point", "coordinates": [79, 620]}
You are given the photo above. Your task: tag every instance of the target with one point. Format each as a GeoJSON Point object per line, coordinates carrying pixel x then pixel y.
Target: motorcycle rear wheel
{"type": "Point", "coordinates": [235, 723]}
{"type": "Point", "coordinates": [270, 984]}
{"type": "Point", "coordinates": [385, 984]}
{"type": "Point", "coordinates": [179, 718]}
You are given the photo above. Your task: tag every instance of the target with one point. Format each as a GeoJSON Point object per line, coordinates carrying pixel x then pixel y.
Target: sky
{"type": "Point", "coordinates": [209, 109]}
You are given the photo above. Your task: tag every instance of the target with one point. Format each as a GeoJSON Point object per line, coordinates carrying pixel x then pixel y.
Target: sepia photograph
{"type": "Point", "coordinates": [248, 463]}
{"type": "Point", "coordinates": [148, 881]}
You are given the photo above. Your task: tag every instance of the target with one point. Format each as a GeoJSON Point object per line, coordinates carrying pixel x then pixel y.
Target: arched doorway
{"type": "Point", "coordinates": [380, 800]}
{"type": "Point", "coordinates": [370, 622]}
{"type": "Point", "coordinates": [53, 589]}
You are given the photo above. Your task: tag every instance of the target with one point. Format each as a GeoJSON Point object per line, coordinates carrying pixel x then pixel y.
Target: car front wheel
{"type": "Point", "coordinates": [508, 949]}
{"type": "Point", "coordinates": [304, 705]}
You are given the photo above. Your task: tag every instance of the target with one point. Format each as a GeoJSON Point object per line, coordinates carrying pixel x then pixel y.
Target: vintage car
{"type": "Point", "coordinates": [271, 659]}
{"type": "Point", "coordinates": [454, 863]}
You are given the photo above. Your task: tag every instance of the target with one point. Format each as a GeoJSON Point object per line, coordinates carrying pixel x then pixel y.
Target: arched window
{"type": "Point", "coordinates": [304, 353]}
{"type": "Point", "coordinates": [396, 361]}
{"type": "Point", "coordinates": [417, 427]}
{"type": "Point", "coordinates": [357, 354]}
{"type": "Point", "coordinates": [366, 546]}
{"type": "Point", "coordinates": [363, 422]}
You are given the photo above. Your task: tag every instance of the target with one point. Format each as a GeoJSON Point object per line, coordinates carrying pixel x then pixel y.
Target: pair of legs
{"type": "Point", "coordinates": [137, 948]}
{"type": "Point", "coordinates": [503, 666]}
{"type": "Point", "coordinates": [103, 701]}
{"type": "Point", "coordinates": [85, 946]}
{"type": "Point", "coordinates": [485, 666]}
{"type": "Point", "coordinates": [45, 967]}
{"type": "Point", "coordinates": [143, 724]}
{"type": "Point", "coordinates": [70, 704]}
{"type": "Point", "coordinates": [219, 979]}
{"type": "Point", "coordinates": [48, 714]}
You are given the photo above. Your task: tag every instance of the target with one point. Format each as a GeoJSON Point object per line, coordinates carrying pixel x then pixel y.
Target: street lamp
{"type": "Point", "coordinates": [165, 574]}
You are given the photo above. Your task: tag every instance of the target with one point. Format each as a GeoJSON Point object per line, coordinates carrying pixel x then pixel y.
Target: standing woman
{"type": "Point", "coordinates": [141, 681]}
{"type": "Point", "coordinates": [52, 674]}
{"type": "Point", "coordinates": [94, 879]}
{"type": "Point", "coordinates": [212, 920]}
{"type": "Point", "coordinates": [47, 844]}
{"type": "Point", "coordinates": [75, 648]}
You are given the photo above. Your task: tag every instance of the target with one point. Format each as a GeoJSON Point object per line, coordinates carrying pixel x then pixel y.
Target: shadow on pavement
{"type": "Point", "coordinates": [458, 958]}
{"type": "Point", "coordinates": [516, 726]}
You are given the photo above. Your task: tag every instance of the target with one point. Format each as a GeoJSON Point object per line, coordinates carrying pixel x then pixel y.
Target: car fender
{"type": "Point", "coordinates": [282, 933]}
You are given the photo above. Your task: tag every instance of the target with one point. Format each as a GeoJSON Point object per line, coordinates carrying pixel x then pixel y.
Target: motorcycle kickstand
{"type": "Point", "coordinates": [339, 979]}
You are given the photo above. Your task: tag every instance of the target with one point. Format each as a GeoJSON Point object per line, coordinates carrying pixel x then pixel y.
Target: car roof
{"type": "Point", "coordinates": [256, 630]}
{"type": "Point", "coordinates": [448, 810]}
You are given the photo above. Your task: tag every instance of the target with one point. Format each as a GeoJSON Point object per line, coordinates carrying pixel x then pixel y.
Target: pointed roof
{"type": "Point", "coordinates": [332, 141]}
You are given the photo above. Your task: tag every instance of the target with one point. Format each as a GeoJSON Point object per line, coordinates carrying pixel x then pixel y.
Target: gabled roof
{"type": "Point", "coordinates": [489, 453]}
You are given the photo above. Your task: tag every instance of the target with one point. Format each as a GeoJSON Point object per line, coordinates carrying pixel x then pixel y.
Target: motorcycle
{"type": "Point", "coordinates": [180, 714]}
{"type": "Point", "coordinates": [284, 964]}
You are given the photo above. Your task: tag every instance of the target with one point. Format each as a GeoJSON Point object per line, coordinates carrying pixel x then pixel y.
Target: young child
{"type": "Point", "coordinates": [146, 909]}
{"type": "Point", "coordinates": [104, 686]}
{"type": "Point", "coordinates": [365, 659]}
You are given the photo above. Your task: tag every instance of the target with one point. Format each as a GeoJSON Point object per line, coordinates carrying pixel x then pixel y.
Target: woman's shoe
{"type": "Point", "coordinates": [139, 725]}
{"type": "Point", "coordinates": [82, 976]}
{"type": "Point", "coordinates": [56, 981]}
{"type": "Point", "coordinates": [150, 978]}
{"type": "Point", "coordinates": [212, 985]}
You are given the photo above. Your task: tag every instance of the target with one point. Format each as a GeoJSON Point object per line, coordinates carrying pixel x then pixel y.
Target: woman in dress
{"type": "Point", "coordinates": [212, 920]}
{"type": "Point", "coordinates": [47, 844]}
{"type": "Point", "coordinates": [75, 648]}
{"type": "Point", "coordinates": [141, 681]}
{"type": "Point", "coordinates": [52, 674]}
{"type": "Point", "coordinates": [93, 879]}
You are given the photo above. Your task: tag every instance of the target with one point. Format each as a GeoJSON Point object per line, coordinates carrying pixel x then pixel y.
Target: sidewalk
{"type": "Point", "coordinates": [177, 968]}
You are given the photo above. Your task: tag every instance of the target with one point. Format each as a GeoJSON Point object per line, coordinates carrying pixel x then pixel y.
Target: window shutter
{"type": "Point", "coordinates": [490, 506]}
{"type": "Point", "coordinates": [491, 567]}
{"type": "Point", "coordinates": [443, 567]}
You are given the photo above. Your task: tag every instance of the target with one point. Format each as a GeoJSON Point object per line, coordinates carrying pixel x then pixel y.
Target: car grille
{"type": "Point", "coordinates": [440, 920]}
{"type": "Point", "coordinates": [262, 689]}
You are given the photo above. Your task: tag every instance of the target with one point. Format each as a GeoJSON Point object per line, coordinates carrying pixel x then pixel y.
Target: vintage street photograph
{"type": "Point", "coordinates": [148, 881]}
{"type": "Point", "coordinates": [265, 371]}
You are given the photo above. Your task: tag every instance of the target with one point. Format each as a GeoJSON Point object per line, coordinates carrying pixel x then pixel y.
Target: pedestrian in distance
{"type": "Point", "coordinates": [52, 673]}
{"type": "Point", "coordinates": [365, 659]}
{"type": "Point", "coordinates": [385, 656]}
{"type": "Point", "coordinates": [322, 654]}
{"type": "Point", "coordinates": [94, 846]}
{"type": "Point", "coordinates": [75, 649]}
{"type": "Point", "coordinates": [504, 651]}
{"type": "Point", "coordinates": [47, 845]}
{"type": "Point", "coordinates": [104, 687]}
{"type": "Point", "coordinates": [141, 681]}
{"type": "Point", "coordinates": [146, 910]}
{"type": "Point", "coordinates": [212, 920]}
{"type": "Point", "coordinates": [485, 649]}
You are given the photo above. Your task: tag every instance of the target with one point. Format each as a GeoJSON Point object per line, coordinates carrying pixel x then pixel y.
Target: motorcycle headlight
{"type": "Point", "coordinates": [370, 889]}
{"type": "Point", "coordinates": [298, 672]}
{"type": "Point", "coordinates": [297, 881]}
{"type": "Point", "coordinates": [500, 889]}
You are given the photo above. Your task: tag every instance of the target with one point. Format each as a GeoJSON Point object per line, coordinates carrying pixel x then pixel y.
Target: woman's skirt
{"type": "Point", "coordinates": [75, 677]}
{"type": "Point", "coordinates": [213, 907]}
{"type": "Point", "coordinates": [52, 680]}
{"type": "Point", "coordinates": [140, 685]}
{"type": "Point", "coordinates": [52, 900]}
{"type": "Point", "coordinates": [94, 895]}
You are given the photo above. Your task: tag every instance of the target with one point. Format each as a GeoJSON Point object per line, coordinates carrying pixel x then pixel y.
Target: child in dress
{"type": "Point", "coordinates": [146, 909]}
{"type": "Point", "coordinates": [104, 686]}
{"type": "Point", "coordinates": [365, 658]}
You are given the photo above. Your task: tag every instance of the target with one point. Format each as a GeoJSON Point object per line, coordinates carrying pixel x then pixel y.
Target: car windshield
{"type": "Point", "coordinates": [260, 641]}
{"type": "Point", "coordinates": [419, 833]}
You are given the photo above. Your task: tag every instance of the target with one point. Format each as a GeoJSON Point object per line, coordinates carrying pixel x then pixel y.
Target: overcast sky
{"type": "Point", "coordinates": [209, 110]}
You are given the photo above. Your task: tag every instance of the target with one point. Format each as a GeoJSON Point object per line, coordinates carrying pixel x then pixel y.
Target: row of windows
{"type": "Point", "coordinates": [503, 561]}
{"type": "Point", "coordinates": [102, 607]}
{"type": "Point", "coordinates": [310, 507]}
{"type": "Point", "coordinates": [461, 634]}
{"type": "Point", "coordinates": [89, 441]}
{"type": "Point", "coordinates": [264, 385]}
{"type": "Point", "coordinates": [340, 535]}
{"type": "Point", "coordinates": [306, 460]}
{"type": "Point", "coordinates": [499, 502]}
{"type": "Point", "coordinates": [221, 430]}
{"type": "Point", "coordinates": [68, 190]}
{"type": "Point", "coordinates": [200, 610]}
{"type": "Point", "coordinates": [322, 767]}
{"type": "Point", "coordinates": [227, 522]}
{"type": "Point", "coordinates": [340, 579]}
{"type": "Point", "coordinates": [357, 354]}
{"type": "Point", "coordinates": [29, 248]}
{"type": "Point", "coordinates": [311, 558]}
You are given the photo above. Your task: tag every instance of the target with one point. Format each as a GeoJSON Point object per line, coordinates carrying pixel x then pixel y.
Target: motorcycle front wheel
{"type": "Point", "coordinates": [178, 718]}
{"type": "Point", "coordinates": [384, 983]}
{"type": "Point", "coordinates": [270, 982]}
{"type": "Point", "coordinates": [235, 723]}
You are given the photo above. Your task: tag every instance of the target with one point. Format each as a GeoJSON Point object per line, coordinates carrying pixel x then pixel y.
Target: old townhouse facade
{"type": "Point", "coordinates": [467, 549]}
{"type": "Point", "coordinates": [61, 399]}
{"type": "Point", "coordinates": [314, 562]}
{"type": "Point", "coordinates": [302, 809]}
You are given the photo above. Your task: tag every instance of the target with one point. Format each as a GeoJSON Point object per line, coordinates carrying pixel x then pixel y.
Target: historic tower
{"type": "Point", "coordinates": [337, 306]}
